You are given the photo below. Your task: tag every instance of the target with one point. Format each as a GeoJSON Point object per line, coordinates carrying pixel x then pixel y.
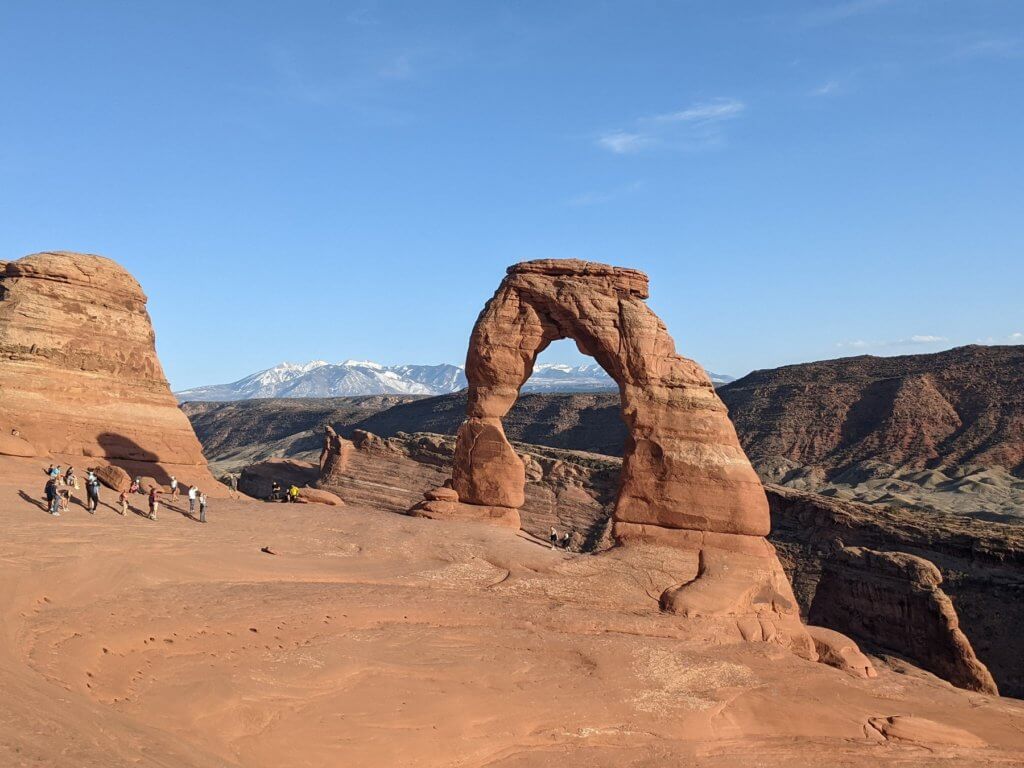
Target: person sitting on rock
{"type": "Point", "coordinates": [154, 502]}
{"type": "Point", "coordinates": [69, 477]}
{"type": "Point", "coordinates": [566, 539]}
{"type": "Point", "coordinates": [275, 491]}
{"type": "Point", "coordinates": [293, 493]}
{"type": "Point", "coordinates": [137, 485]}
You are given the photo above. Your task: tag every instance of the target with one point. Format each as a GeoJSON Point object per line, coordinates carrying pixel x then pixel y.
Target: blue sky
{"type": "Point", "coordinates": [334, 180]}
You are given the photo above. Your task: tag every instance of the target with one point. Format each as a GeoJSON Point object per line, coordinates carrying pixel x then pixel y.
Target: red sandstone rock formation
{"type": "Point", "coordinates": [837, 650]}
{"type": "Point", "coordinates": [685, 479]}
{"type": "Point", "coordinates": [895, 600]}
{"type": "Point", "coordinates": [79, 375]}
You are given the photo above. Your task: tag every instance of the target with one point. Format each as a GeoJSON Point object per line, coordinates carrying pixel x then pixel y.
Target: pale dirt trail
{"type": "Point", "coordinates": [373, 639]}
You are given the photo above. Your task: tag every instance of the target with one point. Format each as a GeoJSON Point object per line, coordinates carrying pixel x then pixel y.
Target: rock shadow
{"type": "Point", "coordinates": [122, 451]}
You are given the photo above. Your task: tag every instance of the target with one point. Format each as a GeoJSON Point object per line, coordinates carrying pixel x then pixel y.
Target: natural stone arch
{"type": "Point", "coordinates": [683, 467]}
{"type": "Point", "coordinates": [686, 482]}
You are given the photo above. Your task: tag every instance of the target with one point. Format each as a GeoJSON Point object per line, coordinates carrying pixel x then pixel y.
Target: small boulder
{"type": "Point", "coordinates": [114, 478]}
{"type": "Point", "coordinates": [319, 496]}
{"type": "Point", "coordinates": [441, 494]}
{"type": "Point", "coordinates": [839, 651]}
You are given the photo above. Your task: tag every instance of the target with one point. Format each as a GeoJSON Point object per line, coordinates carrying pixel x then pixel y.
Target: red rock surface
{"type": "Point", "coordinates": [895, 599]}
{"type": "Point", "coordinates": [79, 372]}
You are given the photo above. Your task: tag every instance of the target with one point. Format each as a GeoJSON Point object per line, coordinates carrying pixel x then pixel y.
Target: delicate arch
{"type": "Point", "coordinates": [683, 467]}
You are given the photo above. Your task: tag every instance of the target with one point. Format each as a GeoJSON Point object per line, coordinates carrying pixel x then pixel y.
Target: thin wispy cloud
{"type": "Point", "coordinates": [696, 127]}
{"type": "Point", "coordinates": [399, 68]}
{"type": "Point", "coordinates": [600, 198]}
{"type": "Point", "coordinates": [993, 48]}
{"type": "Point", "coordinates": [912, 341]}
{"type": "Point", "coordinates": [623, 142]}
{"type": "Point", "coordinates": [720, 109]}
{"type": "Point", "coordinates": [1014, 338]}
{"type": "Point", "coordinates": [826, 89]}
{"type": "Point", "coordinates": [839, 12]}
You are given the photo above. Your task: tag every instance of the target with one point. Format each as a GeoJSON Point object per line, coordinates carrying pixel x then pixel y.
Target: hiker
{"type": "Point", "coordinates": [65, 498]}
{"type": "Point", "coordinates": [92, 491]}
{"type": "Point", "coordinates": [293, 493]}
{"type": "Point", "coordinates": [174, 487]}
{"type": "Point", "coordinates": [553, 537]}
{"type": "Point", "coordinates": [137, 484]}
{"type": "Point", "coordinates": [565, 540]}
{"type": "Point", "coordinates": [134, 487]}
{"type": "Point", "coordinates": [52, 502]}
{"type": "Point", "coordinates": [202, 507]}
{"type": "Point", "coordinates": [154, 502]}
{"type": "Point", "coordinates": [54, 471]}
{"type": "Point", "coordinates": [123, 501]}
{"type": "Point", "coordinates": [191, 500]}
{"type": "Point", "coordinates": [275, 491]}
{"type": "Point", "coordinates": [70, 479]}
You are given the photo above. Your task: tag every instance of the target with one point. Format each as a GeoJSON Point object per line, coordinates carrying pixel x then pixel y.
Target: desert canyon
{"type": "Point", "coordinates": [410, 612]}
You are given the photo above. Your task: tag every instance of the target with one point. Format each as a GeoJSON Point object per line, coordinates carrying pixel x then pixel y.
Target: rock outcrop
{"type": "Point", "coordinates": [79, 375]}
{"type": "Point", "coordinates": [943, 410]}
{"type": "Point", "coordinates": [981, 565]}
{"type": "Point", "coordinates": [685, 480]}
{"type": "Point", "coordinates": [895, 601]}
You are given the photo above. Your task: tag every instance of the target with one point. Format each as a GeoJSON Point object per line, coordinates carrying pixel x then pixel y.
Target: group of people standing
{"type": "Point", "coordinates": [60, 486]}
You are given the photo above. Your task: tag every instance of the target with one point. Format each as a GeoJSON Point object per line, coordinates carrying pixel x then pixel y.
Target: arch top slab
{"type": "Point", "coordinates": [683, 467]}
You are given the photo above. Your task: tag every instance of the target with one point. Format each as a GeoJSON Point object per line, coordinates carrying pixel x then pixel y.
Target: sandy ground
{"type": "Point", "coordinates": [373, 639]}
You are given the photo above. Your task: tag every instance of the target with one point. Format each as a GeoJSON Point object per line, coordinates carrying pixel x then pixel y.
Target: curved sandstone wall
{"type": "Point", "coordinates": [79, 374]}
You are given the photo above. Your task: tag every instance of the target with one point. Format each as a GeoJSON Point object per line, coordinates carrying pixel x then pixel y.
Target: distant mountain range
{"type": "Point", "coordinates": [362, 377]}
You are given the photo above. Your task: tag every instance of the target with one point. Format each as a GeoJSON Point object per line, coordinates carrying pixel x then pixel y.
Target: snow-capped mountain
{"type": "Point", "coordinates": [362, 377]}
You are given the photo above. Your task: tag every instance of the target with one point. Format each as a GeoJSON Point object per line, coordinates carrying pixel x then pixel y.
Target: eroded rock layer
{"type": "Point", "coordinates": [895, 600]}
{"type": "Point", "coordinates": [79, 374]}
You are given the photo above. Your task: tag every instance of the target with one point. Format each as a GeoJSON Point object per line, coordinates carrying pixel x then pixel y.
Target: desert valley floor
{"type": "Point", "coordinates": [371, 638]}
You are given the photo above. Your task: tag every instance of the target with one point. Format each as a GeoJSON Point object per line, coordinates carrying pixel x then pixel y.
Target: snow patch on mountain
{"type": "Point", "coordinates": [319, 378]}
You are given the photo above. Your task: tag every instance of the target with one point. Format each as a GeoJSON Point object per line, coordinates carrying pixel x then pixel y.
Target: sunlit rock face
{"type": "Point", "coordinates": [79, 373]}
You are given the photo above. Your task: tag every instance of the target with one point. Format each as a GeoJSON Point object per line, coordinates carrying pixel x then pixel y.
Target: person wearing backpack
{"type": "Point", "coordinates": [52, 499]}
{"type": "Point", "coordinates": [92, 491]}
